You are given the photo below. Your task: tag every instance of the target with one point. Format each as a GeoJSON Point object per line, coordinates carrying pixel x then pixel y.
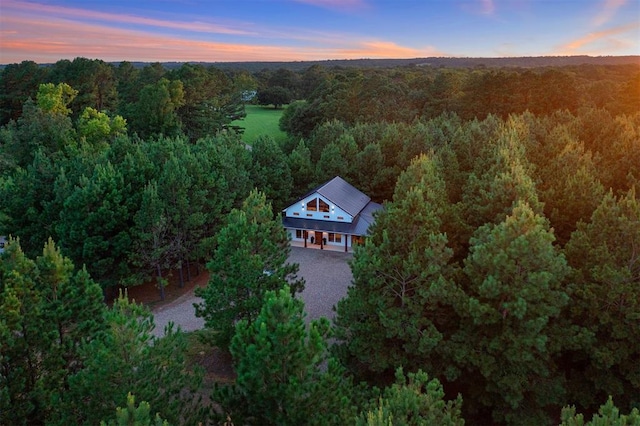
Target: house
{"type": "Point", "coordinates": [335, 215]}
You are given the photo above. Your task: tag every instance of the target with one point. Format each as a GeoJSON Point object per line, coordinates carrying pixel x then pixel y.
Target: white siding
{"type": "Point", "coordinates": [335, 214]}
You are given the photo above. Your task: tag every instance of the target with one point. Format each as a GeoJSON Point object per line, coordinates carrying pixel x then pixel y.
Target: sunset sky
{"type": "Point", "coordinates": [291, 30]}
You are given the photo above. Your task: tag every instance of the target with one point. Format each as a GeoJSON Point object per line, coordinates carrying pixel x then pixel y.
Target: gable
{"type": "Point", "coordinates": [315, 206]}
{"type": "Point", "coordinates": [343, 195]}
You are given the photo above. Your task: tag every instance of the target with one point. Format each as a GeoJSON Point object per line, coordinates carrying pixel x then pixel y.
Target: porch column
{"type": "Point", "coordinates": [345, 243]}
{"type": "Point", "coordinates": [305, 235]}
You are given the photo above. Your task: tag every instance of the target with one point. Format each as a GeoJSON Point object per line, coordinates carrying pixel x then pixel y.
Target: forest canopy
{"type": "Point", "coordinates": [500, 281]}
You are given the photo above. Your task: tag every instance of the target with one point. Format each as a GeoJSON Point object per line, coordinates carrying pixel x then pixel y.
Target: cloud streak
{"type": "Point", "coordinates": [609, 9]}
{"type": "Point", "coordinates": [488, 7]}
{"type": "Point", "coordinates": [47, 40]}
{"type": "Point", "coordinates": [31, 9]}
{"type": "Point", "coordinates": [605, 37]}
{"type": "Point", "coordinates": [340, 5]}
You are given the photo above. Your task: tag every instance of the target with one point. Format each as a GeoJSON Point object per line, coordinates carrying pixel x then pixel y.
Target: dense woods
{"type": "Point", "coordinates": [499, 284]}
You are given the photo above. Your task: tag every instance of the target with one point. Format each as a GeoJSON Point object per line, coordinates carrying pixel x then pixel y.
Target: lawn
{"type": "Point", "coordinates": [261, 120]}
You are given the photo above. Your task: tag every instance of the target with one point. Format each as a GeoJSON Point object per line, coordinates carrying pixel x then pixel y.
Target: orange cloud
{"type": "Point", "coordinates": [47, 40]}
{"type": "Point", "coordinates": [600, 35]}
{"type": "Point", "coordinates": [605, 36]}
{"type": "Point", "coordinates": [609, 9]}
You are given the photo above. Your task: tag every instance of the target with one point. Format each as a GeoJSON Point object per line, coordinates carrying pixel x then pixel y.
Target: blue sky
{"type": "Point", "coordinates": [292, 30]}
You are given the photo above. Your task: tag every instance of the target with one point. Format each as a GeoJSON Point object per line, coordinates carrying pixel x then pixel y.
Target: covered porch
{"type": "Point", "coordinates": [324, 240]}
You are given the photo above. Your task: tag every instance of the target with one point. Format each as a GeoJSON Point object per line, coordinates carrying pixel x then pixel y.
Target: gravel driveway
{"type": "Point", "coordinates": [327, 275]}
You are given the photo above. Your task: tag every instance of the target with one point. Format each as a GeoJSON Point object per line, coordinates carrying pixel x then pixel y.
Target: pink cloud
{"type": "Point", "coordinates": [48, 40]}
{"type": "Point", "coordinates": [83, 14]}
{"type": "Point", "coordinates": [346, 5]}
{"type": "Point", "coordinates": [487, 7]}
{"type": "Point", "coordinates": [609, 9]}
{"type": "Point", "coordinates": [478, 7]}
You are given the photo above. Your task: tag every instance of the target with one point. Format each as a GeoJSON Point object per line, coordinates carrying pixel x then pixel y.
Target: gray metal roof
{"type": "Point", "coordinates": [366, 219]}
{"type": "Point", "coordinates": [344, 195]}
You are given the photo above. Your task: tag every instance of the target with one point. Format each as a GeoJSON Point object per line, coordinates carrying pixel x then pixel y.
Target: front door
{"type": "Point", "coordinates": [318, 238]}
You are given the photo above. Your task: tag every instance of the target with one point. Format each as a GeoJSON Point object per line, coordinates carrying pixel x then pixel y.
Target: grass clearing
{"type": "Point", "coordinates": [261, 120]}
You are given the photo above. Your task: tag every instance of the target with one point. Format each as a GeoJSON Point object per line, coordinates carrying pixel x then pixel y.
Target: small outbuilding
{"type": "Point", "coordinates": [335, 215]}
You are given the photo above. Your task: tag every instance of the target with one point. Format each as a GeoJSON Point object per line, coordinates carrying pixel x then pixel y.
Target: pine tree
{"type": "Point", "coordinates": [133, 415]}
{"type": "Point", "coordinates": [605, 255]}
{"type": "Point", "coordinates": [509, 331]}
{"type": "Point", "coordinates": [129, 359]}
{"type": "Point", "coordinates": [250, 259]}
{"type": "Point", "coordinates": [48, 313]}
{"type": "Point", "coordinates": [413, 400]}
{"type": "Point", "coordinates": [279, 359]}
{"type": "Point", "coordinates": [399, 312]}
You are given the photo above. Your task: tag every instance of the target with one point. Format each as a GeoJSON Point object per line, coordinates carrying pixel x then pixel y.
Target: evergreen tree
{"type": "Point", "coordinates": [48, 313]}
{"type": "Point", "coordinates": [271, 173]}
{"type": "Point", "coordinates": [249, 260]}
{"type": "Point", "coordinates": [413, 400]}
{"type": "Point", "coordinates": [278, 359]}
{"type": "Point", "coordinates": [95, 225]}
{"type": "Point", "coordinates": [399, 312]}
{"type": "Point", "coordinates": [133, 415]}
{"type": "Point", "coordinates": [608, 415]}
{"type": "Point", "coordinates": [129, 359]}
{"type": "Point", "coordinates": [302, 170]}
{"type": "Point", "coordinates": [604, 255]}
{"type": "Point", "coordinates": [509, 332]}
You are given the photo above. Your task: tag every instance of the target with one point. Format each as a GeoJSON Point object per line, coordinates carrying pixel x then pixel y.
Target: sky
{"type": "Point", "coordinates": [46, 31]}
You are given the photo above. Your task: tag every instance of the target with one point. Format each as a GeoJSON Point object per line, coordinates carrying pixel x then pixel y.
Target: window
{"type": "Point", "coordinates": [335, 238]}
{"type": "Point", "coordinates": [309, 214]}
{"type": "Point", "coordinates": [312, 206]}
{"type": "Point", "coordinates": [322, 206]}
{"type": "Point", "coordinates": [296, 214]}
{"type": "Point", "coordinates": [340, 218]}
{"type": "Point", "coordinates": [326, 216]}
{"type": "Point", "coordinates": [299, 234]}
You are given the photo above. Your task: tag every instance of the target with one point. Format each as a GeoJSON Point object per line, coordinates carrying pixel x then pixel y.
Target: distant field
{"type": "Point", "coordinates": [261, 120]}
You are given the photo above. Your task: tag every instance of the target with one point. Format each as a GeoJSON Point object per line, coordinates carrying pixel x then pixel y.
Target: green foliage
{"type": "Point", "coordinates": [271, 173]}
{"type": "Point", "coordinates": [509, 331]}
{"type": "Point", "coordinates": [604, 253]}
{"type": "Point", "coordinates": [302, 170]}
{"type": "Point", "coordinates": [36, 130]}
{"type": "Point", "coordinates": [154, 113]}
{"type": "Point", "coordinates": [95, 224]}
{"type": "Point", "coordinates": [413, 400]}
{"type": "Point", "coordinates": [55, 99]}
{"type": "Point", "coordinates": [211, 102]}
{"type": "Point", "coordinates": [608, 415]}
{"type": "Point", "coordinates": [276, 96]}
{"type": "Point", "coordinates": [399, 312]}
{"type": "Point", "coordinates": [298, 119]}
{"type": "Point", "coordinates": [133, 415]}
{"type": "Point", "coordinates": [129, 359]}
{"type": "Point", "coordinates": [18, 82]}
{"type": "Point", "coordinates": [279, 360]}
{"type": "Point", "coordinates": [48, 313]}
{"type": "Point", "coordinates": [98, 128]}
{"type": "Point", "coordinates": [249, 260]}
